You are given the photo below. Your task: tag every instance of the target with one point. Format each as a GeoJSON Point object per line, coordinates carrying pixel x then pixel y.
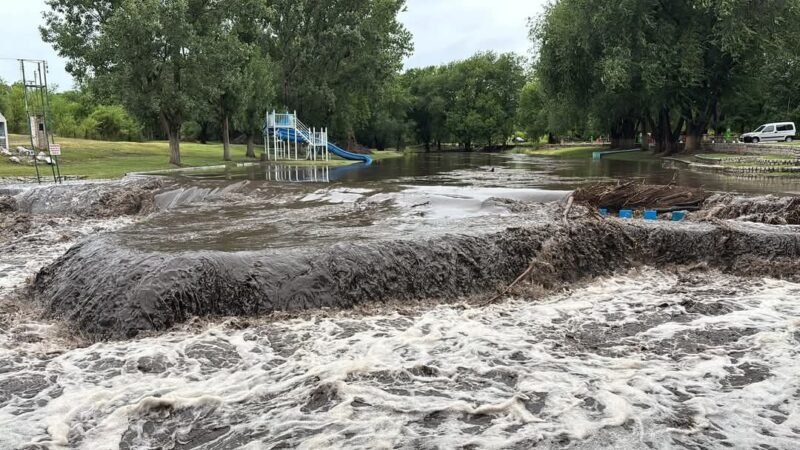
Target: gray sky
{"type": "Point", "coordinates": [444, 30]}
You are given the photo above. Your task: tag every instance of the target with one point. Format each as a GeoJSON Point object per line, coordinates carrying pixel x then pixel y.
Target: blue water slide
{"type": "Point", "coordinates": [349, 155]}
{"type": "Point", "coordinates": [288, 134]}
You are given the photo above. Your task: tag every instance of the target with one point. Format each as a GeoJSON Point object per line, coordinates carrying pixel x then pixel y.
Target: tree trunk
{"type": "Point", "coordinates": [645, 124]}
{"type": "Point", "coordinates": [172, 125]}
{"type": "Point", "coordinates": [174, 145]}
{"type": "Point", "coordinates": [226, 139]}
{"type": "Point", "coordinates": [666, 139]}
{"type": "Point", "coordinates": [352, 143]}
{"type": "Point", "coordinates": [694, 135]}
{"type": "Point", "coordinates": [623, 136]}
{"type": "Point", "coordinates": [203, 132]}
{"type": "Point", "coordinates": [251, 149]}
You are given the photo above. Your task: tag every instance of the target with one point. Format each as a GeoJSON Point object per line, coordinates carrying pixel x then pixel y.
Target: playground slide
{"type": "Point", "coordinates": [349, 155]}
{"type": "Point", "coordinates": [288, 135]}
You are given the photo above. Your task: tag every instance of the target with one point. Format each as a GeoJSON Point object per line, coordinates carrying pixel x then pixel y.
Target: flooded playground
{"type": "Point", "coordinates": [349, 307]}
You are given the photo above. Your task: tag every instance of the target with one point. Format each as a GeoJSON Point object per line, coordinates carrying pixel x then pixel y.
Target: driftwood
{"type": "Point", "coordinates": [534, 261]}
{"type": "Point", "coordinates": [631, 195]}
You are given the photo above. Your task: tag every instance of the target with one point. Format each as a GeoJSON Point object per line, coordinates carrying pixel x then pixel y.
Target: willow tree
{"type": "Point", "coordinates": [664, 65]}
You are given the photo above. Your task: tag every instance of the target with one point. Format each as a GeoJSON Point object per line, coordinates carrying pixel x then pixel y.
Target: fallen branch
{"type": "Point", "coordinates": [511, 286]}
{"type": "Point", "coordinates": [566, 211]}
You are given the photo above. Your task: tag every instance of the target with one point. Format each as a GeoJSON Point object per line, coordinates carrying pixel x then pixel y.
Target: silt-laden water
{"type": "Point", "coordinates": [643, 359]}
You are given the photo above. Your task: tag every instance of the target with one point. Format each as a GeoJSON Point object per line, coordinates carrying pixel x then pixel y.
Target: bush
{"type": "Point", "coordinates": [111, 123]}
{"type": "Point", "coordinates": [190, 131]}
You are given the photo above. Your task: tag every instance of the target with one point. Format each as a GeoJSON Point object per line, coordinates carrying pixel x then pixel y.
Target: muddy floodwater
{"type": "Point", "coordinates": [681, 356]}
{"type": "Point", "coordinates": [508, 171]}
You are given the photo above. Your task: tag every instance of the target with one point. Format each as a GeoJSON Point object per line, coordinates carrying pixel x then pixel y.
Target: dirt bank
{"type": "Point", "coordinates": [109, 291]}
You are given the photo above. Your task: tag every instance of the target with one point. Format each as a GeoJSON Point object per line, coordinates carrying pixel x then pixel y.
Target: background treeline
{"type": "Point", "coordinates": [199, 70]}
{"type": "Point", "coordinates": [671, 68]}
{"type": "Point", "coordinates": [73, 114]}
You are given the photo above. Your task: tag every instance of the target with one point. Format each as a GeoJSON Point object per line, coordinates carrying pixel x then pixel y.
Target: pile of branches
{"type": "Point", "coordinates": [764, 209]}
{"type": "Point", "coordinates": [632, 195]}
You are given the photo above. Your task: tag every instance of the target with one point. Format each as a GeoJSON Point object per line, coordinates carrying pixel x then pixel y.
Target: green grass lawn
{"type": "Point", "coordinates": [586, 153]}
{"type": "Point", "coordinates": [633, 156]}
{"type": "Point", "coordinates": [102, 159]}
{"type": "Point", "coordinates": [564, 152]}
{"type": "Point", "coordinates": [379, 155]}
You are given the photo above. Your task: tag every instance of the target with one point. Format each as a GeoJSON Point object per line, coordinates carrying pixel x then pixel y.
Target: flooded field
{"type": "Point", "coordinates": [678, 357]}
{"type": "Point", "coordinates": [507, 171]}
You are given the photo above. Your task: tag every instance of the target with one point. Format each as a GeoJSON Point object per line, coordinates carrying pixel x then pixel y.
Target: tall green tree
{"type": "Point", "coordinates": [428, 104]}
{"type": "Point", "coordinates": [532, 114]}
{"type": "Point", "coordinates": [160, 57]}
{"type": "Point", "coordinates": [484, 94]}
{"type": "Point", "coordinates": [389, 124]}
{"type": "Point", "coordinates": [334, 58]}
{"type": "Point", "coordinates": [259, 82]}
{"type": "Point", "coordinates": [669, 71]}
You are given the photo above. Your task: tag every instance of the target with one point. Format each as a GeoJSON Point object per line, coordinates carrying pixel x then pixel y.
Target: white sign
{"type": "Point", "coordinates": [55, 149]}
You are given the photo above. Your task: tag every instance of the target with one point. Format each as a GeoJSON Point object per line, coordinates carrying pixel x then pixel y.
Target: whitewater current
{"type": "Point", "coordinates": [648, 358]}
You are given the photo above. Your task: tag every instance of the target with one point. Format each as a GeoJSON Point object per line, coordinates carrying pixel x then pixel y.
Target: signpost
{"type": "Point", "coordinates": [55, 152]}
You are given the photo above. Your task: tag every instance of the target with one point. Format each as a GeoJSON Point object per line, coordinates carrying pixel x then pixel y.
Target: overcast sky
{"type": "Point", "coordinates": [444, 30]}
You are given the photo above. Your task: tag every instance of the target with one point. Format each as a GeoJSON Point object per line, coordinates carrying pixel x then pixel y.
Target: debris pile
{"type": "Point", "coordinates": [632, 195]}
{"type": "Point", "coordinates": [764, 209]}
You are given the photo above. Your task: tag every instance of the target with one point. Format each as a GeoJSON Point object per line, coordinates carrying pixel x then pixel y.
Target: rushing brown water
{"type": "Point", "coordinates": [644, 358]}
{"type": "Point", "coordinates": [507, 171]}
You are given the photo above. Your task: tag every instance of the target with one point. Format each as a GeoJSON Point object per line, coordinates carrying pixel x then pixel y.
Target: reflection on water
{"type": "Point", "coordinates": [505, 170]}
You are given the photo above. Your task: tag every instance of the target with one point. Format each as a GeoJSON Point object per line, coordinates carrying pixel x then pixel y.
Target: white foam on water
{"type": "Point", "coordinates": [642, 360]}
{"type": "Point", "coordinates": [49, 238]}
{"type": "Point", "coordinates": [336, 195]}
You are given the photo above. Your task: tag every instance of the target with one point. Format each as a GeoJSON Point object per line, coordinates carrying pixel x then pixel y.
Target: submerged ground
{"type": "Point", "coordinates": [678, 357]}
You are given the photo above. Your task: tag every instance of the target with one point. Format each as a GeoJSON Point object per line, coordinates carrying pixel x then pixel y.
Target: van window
{"type": "Point", "coordinates": [758, 130]}
{"type": "Point", "coordinates": [769, 129]}
{"type": "Point", "coordinates": [786, 127]}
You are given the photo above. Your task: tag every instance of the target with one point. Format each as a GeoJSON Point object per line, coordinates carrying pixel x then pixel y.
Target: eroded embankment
{"type": "Point", "coordinates": [110, 291]}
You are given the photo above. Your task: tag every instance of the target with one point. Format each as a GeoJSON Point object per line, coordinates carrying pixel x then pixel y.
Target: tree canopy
{"type": "Point", "coordinates": [180, 60]}
{"type": "Point", "coordinates": [664, 67]}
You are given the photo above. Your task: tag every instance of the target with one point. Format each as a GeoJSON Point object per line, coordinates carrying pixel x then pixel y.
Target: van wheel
{"type": "Point", "coordinates": [789, 139]}
{"type": "Point", "coordinates": [756, 140]}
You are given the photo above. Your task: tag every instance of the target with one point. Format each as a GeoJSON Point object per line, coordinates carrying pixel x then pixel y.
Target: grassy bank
{"type": "Point", "coordinates": [563, 152]}
{"type": "Point", "coordinates": [102, 159]}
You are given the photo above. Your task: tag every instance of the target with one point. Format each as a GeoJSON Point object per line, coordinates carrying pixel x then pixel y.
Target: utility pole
{"type": "Point", "coordinates": [37, 108]}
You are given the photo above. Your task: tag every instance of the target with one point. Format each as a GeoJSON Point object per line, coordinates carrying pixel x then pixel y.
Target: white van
{"type": "Point", "coordinates": [781, 131]}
